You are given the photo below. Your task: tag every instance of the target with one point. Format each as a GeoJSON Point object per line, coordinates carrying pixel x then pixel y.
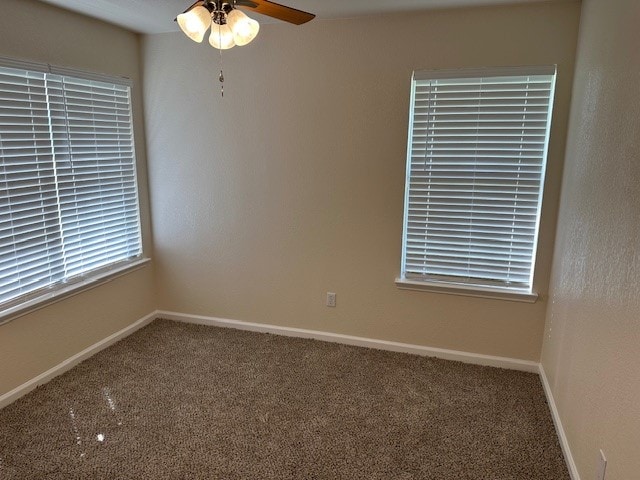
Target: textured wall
{"type": "Point", "coordinates": [293, 184]}
{"type": "Point", "coordinates": [34, 343]}
{"type": "Point", "coordinates": [591, 350]}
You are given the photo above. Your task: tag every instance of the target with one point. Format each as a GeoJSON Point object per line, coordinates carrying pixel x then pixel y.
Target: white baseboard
{"type": "Point", "coordinates": [474, 358]}
{"type": "Point", "coordinates": [71, 362]}
{"type": "Point", "coordinates": [562, 437]}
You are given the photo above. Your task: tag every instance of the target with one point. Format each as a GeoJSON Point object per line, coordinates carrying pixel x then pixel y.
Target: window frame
{"type": "Point", "coordinates": [459, 285]}
{"type": "Point", "coordinates": [69, 286]}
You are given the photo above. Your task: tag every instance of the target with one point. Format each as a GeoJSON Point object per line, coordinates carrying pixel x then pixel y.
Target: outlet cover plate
{"type": "Point", "coordinates": [331, 299]}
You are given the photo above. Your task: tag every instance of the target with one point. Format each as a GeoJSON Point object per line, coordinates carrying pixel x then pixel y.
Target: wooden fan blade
{"type": "Point", "coordinates": [275, 10]}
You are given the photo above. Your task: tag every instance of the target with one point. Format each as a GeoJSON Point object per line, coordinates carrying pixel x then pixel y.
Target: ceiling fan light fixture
{"type": "Point", "coordinates": [221, 37]}
{"type": "Point", "coordinates": [195, 23]}
{"type": "Point", "coordinates": [244, 29]}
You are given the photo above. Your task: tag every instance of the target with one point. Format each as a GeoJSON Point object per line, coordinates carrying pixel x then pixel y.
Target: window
{"type": "Point", "coordinates": [68, 194]}
{"type": "Point", "coordinates": [475, 171]}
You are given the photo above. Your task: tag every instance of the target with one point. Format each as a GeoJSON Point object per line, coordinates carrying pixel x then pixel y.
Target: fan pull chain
{"type": "Point", "coordinates": [221, 77]}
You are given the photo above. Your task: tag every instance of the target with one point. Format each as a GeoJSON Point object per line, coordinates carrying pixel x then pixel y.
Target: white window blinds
{"type": "Point", "coordinates": [68, 194]}
{"type": "Point", "coordinates": [475, 173]}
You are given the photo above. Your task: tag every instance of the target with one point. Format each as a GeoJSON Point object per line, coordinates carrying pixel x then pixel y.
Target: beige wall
{"type": "Point", "coordinates": [292, 185]}
{"type": "Point", "coordinates": [591, 350]}
{"type": "Point", "coordinates": [34, 343]}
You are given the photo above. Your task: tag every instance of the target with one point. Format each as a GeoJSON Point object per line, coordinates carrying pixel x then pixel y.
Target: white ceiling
{"type": "Point", "coordinates": [156, 16]}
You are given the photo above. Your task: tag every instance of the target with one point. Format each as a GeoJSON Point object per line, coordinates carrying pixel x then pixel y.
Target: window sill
{"type": "Point", "coordinates": [467, 290]}
{"type": "Point", "coordinates": [54, 296]}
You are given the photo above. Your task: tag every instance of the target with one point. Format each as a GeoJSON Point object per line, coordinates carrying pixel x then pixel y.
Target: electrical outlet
{"type": "Point", "coordinates": [331, 299]}
{"type": "Point", "coordinates": [602, 466]}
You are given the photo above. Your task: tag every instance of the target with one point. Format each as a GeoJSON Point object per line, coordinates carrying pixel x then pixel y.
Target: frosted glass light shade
{"type": "Point", "coordinates": [221, 37]}
{"type": "Point", "coordinates": [244, 28]}
{"type": "Point", "coordinates": [195, 23]}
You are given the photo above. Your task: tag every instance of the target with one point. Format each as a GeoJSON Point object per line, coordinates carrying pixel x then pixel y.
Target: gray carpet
{"type": "Point", "coordinates": [179, 401]}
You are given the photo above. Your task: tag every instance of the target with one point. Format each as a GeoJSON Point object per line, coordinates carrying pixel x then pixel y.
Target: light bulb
{"type": "Point", "coordinates": [195, 23]}
{"type": "Point", "coordinates": [221, 37]}
{"type": "Point", "coordinates": [244, 28]}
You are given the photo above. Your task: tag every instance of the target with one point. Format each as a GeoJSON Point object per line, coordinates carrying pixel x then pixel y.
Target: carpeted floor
{"type": "Point", "coordinates": [180, 401]}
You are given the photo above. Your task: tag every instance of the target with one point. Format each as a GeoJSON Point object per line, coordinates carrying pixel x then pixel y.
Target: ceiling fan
{"type": "Point", "coordinates": [229, 25]}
